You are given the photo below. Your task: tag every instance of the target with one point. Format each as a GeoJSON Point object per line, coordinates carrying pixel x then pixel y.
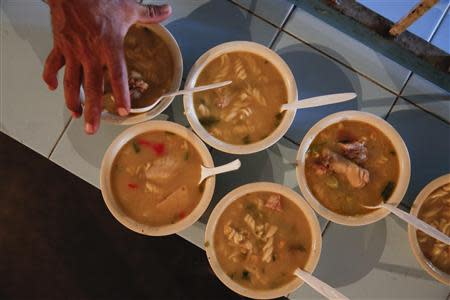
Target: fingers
{"type": "Point", "coordinates": [54, 62]}
{"type": "Point", "coordinates": [93, 88]}
{"type": "Point", "coordinates": [153, 13]}
{"type": "Point", "coordinates": [72, 84]}
{"type": "Point", "coordinates": [117, 70]}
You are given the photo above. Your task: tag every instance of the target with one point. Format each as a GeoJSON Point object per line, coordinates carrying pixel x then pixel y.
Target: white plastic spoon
{"type": "Point", "coordinates": [318, 101]}
{"type": "Point", "coordinates": [320, 286]}
{"type": "Point", "coordinates": [414, 221]}
{"type": "Point", "coordinates": [207, 172]}
{"type": "Point", "coordinates": [181, 92]}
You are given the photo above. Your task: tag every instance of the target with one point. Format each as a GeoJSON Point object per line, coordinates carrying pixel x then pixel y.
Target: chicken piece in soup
{"type": "Point", "coordinates": [150, 68]}
{"type": "Point", "coordinates": [246, 111]}
{"type": "Point", "coordinates": [260, 240]}
{"type": "Point", "coordinates": [350, 164]}
{"type": "Point", "coordinates": [436, 211]}
{"type": "Point", "coordinates": [155, 178]}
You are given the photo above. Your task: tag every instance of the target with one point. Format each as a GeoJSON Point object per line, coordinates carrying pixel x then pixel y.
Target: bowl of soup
{"type": "Point", "coordinates": [155, 67]}
{"type": "Point", "coordinates": [350, 160]}
{"type": "Point", "coordinates": [432, 205]}
{"type": "Point", "coordinates": [243, 117]}
{"type": "Point", "coordinates": [149, 178]}
{"type": "Point", "coordinates": [256, 237]}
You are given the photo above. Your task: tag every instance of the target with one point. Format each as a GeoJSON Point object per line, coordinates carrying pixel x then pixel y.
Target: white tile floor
{"type": "Point", "coordinates": [29, 112]}
{"type": "Point", "coordinates": [371, 262]}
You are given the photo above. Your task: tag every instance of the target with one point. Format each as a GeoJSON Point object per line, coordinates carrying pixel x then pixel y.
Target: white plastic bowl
{"type": "Point", "coordinates": [400, 149]}
{"type": "Point", "coordinates": [131, 119]}
{"type": "Point", "coordinates": [260, 50]}
{"type": "Point", "coordinates": [263, 187]}
{"type": "Point", "coordinates": [110, 199]}
{"type": "Point", "coordinates": [423, 261]}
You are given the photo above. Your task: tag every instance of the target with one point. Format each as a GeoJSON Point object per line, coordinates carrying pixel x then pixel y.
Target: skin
{"type": "Point", "coordinates": [88, 40]}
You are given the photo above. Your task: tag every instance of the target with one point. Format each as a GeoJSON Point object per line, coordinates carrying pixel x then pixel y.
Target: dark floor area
{"type": "Point", "coordinates": [59, 241]}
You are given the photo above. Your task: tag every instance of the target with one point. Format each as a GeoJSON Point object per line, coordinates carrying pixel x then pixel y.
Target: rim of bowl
{"type": "Point", "coordinates": [240, 46]}
{"type": "Point", "coordinates": [105, 180]}
{"type": "Point", "coordinates": [263, 187]}
{"type": "Point", "coordinates": [177, 57]}
{"type": "Point", "coordinates": [391, 134]}
{"type": "Point", "coordinates": [412, 236]}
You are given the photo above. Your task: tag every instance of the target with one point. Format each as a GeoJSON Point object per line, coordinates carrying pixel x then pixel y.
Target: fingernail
{"type": "Point", "coordinates": [122, 112]}
{"type": "Point", "coordinates": [165, 9]}
{"type": "Point", "coordinates": [75, 114]}
{"type": "Point", "coordinates": [89, 128]}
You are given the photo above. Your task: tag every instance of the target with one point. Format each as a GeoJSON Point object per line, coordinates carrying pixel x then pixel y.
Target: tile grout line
{"type": "Point", "coordinates": [283, 30]}
{"type": "Point", "coordinates": [254, 14]}
{"type": "Point", "coordinates": [60, 137]}
{"type": "Point", "coordinates": [392, 107]}
{"type": "Point", "coordinates": [430, 38]}
{"type": "Point", "coordinates": [425, 110]}
{"type": "Point", "coordinates": [439, 23]}
{"type": "Point", "coordinates": [288, 16]}
{"type": "Point", "coordinates": [341, 63]}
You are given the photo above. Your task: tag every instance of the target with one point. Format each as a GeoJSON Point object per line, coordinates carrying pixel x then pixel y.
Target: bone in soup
{"type": "Point", "coordinates": [155, 178]}
{"type": "Point", "coordinates": [150, 68]}
{"type": "Point", "coordinates": [261, 238]}
{"type": "Point", "coordinates": [247, 110]}
{"type": "Point", "coordinates": [436, 211]}
{"type": "Point", "coordinates": [350, 164]}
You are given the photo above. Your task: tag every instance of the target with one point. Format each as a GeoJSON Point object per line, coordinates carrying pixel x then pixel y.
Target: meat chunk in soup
{"type": "Point", "coordinates": [349, 165]}
{"type": "Point", "coordinates": [357, 177]}
{"type": "Point", "coordinates": [261, 238]}
{"type": "Point", "coordinates": [356, 151]}
{"type": "Point", "coordinates": [155, 178]}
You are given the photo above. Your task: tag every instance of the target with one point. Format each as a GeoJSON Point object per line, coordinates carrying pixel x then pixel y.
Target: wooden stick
{"type": "Point", "coordinates": [412, 16]}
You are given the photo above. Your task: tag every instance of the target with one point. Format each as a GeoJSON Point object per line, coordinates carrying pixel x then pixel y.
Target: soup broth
{"type": "Point", "coordinates": [247, 110]}
{"type": "Point", "coordinates": [350, 164]}
{"type": "Point", "coordinates": [436, 212]}
{"type": "Point", "coordinates": [150, 68]}
{"type": "Point", "coordinates": [155, 178]}
{"type": "Point", "coordinates": [260, 240]}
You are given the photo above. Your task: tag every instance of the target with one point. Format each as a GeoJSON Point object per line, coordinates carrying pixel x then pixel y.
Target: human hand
{"type": "Point", "coordinates": [88, 39]}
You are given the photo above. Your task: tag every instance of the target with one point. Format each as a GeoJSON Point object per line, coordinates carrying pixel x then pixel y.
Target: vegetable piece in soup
{"type": "Point", "coordinates": [436, 211]}
{"type": "Point", "coordinates": [350, 164]}
{"type": "Point", "coordinates": [246, 111]}
{"type": "Point", "coordinates": [260, 240]}
{"type": "Point", "coordinates": [150, 68]}
{"type": "Point", "coordinates": [155, 178]}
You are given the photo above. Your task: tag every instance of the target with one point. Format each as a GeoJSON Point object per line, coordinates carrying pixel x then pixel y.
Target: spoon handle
{"type": "Point", "coordinates": [319, 101]}
{"type": "Point", "coordinates": [207, 172]}
{"type": "Point", "coordinates": [181, 92]}
{"type": "Point", "coordinates": [418, 224]}
{"type": "Point", "coordinates": [320, 286]}
{"type": "Point", "coordinates": [199, 88]}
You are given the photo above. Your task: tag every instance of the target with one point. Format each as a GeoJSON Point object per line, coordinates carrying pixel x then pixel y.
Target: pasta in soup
{"type": "Point", "coordinates": [435, 211]}
{"type": "Point", "coordinates": [261, 238]}
{"type": "Point", "coordinates": [155, 178]}
{"type": "Point", "coordinates": [150, 68]}
{"type": "Point", "coordinates": [246, 111]}
{"type": "Point", "coordinates": [350, 164]}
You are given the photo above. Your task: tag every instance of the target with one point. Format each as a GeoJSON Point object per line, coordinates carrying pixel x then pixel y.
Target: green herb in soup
{"type": "Point", "coordinates": [350, 164]}
{"type": "Point", "coordinates": [260, 240]}
{"type": "Point", "coordinates": [246, 111]}
{"type": "Point", "coordinates": [155, 178]}
{"type": "Point", "coordinates": [435, 211]}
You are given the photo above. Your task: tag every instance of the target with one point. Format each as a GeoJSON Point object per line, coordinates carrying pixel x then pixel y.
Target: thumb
{"type": "Point", "coordinates": [152, 13]}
